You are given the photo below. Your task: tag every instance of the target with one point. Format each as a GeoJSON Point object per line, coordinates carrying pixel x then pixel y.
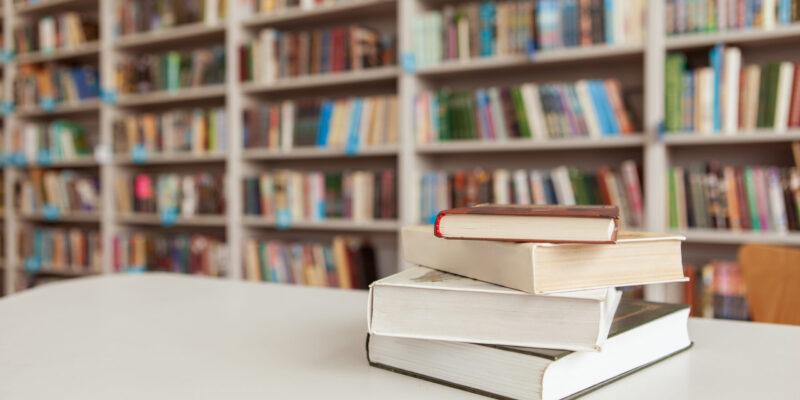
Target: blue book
{"type": "Point", "coordinates": [611, 116]}
{"type": "Point", "coordinates": [487, 12]}
{"type": "Point", "coordinates": [355, 123]}
{"type": "Point", "coordinates": [569, 19]}
{"type": "Point", "coordinates": [688, 101]}
{"type": "Point", "coordinates": [609, 21]}
{"type": "Point", "coordinates": [326, 52]}
{"type": "Point", "coordinates": [755, 10]}
{"type": "Point", "coordinates": [482, 101]}
{"type": "Point", "coordinates": [784, 11]}
{"type": "Point", "coordinates": [715, 59]}
{"type": "Point", "coordinates": [549, 188]}
{"type": "Point", "coordinates": [325, 111]}
{"type": "Point", "coordinates": [602, 116]}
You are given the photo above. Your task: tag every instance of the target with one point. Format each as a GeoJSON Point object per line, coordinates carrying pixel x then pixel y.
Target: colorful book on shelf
{"type": "Point", "coordinates": [548, 268]}
{"type": "Point", "coordinates": [424, 303]}
{"type": "Point", "coordinates": [346, 262]}
{"type": "Point", "coordinates": [195, 131]}
{"type": "Point", "coordinates": [171, 71]}
{"type": "Point", "coordinates": [530, 223]}
{"type": "Point", "coordinates": [506, 28]}
{"type": "Point", "coordinates": [716, 290]}
{"type": "Point", "coordinates": [44, 143]}
{"type": "Point", "coordinates": [62, 31]}
{"type": "Point", "coordinates": [288, 195]}
{"type": "Point", "coordinates": [278, 55]}
{"type": "Point", "coordinates": [729, 98]}
{"type": "Point", "coordinates": [186, 254]}
{"type": "Point", "coordinates": [152, 15]}
{"type": "Point", "coordinates": [57, 192]}
{"type": "Point", "coordinates": [642, 334]}
{"type": "Point", "coordinates": [443, 190]}
{"type": "Point", "coordinates": [323, 123]}
{"type": "Point", "coordinates": [592, 109]}
{"type": "Point", "coordinates": [71, 250]}
{"type": "Point", "coordinates": [183, 195]}
{"type": "Point", "coordinates": [734, 198]}
{"type": "Point", "coordinates": [717, 16]}
{"type": "Point", "coordinates": [47, 86]}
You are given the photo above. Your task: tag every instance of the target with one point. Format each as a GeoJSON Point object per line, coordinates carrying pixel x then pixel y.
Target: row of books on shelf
{"type": "Point", "coordinates": [592, 108]}
{"type": "Point", "coordinates": [441, 190]}
{"type": "Point", "coordinates": [346, 262]}
{"type": "Point", "coordinates": [276, 54]}
{"type": "Point", "coordinates": [57, 191]}
{"type": "Point", "coordinates": [155, 251]}
{"type": "Point", "coordinates": [716, 290]}
{"type": "Point", "coordinates": [726, 98]}
{"type": "Point", "coordinates": [291, 196]}
{"type": "Point", "coordinates": [62, 31]}
{"type": "Point", "coordinates": [44, 143]}
{"type": "Point", "coordinates": [686, 16]}
{"type": "Point", "coordinates": [47, 86]}
{"type": "Point", "coordinates": [509, 27]}
{"type": "Point", "coordinates": [248, 7]}
{"type": "Point", "coordinates": [189, 131]}
{"type": "Point", "coordinates": [54, 250]}
{"type": "Point", "coordinates": [349, 123]}
{"type": "Point", "coordinates": [173, 70]}
{"type": "Point", "coordinates": [154, 15]}
{"type": "Point", "coordinates": [171, 195]}
{"type": "Point", "coordinates": [757, 198]}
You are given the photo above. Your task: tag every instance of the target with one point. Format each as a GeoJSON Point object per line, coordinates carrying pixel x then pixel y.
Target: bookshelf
{"type": "Point", "coordinates": [640, 67]}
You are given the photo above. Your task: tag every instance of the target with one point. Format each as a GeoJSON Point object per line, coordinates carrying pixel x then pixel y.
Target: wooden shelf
{"type": "Point", "coordinates": [155, 219]}
{"type": "Point", "coordinates": [326, 225]}
{"type": "Point", "coordinates": [91, 49]}
{"type": "Point", "coordinates": [759, 136]}
{"type": "Point", "coordinates": [354, 8]}
{"type": "Point", "coordinates": [62, 109]}
{"type": "Point", "coordinates": [316, 152]}
{"type": "Point", "coordinates": [753, 36]}
{"type": "Point", "coordinates": [370, 75]}
{"type": "Point", "coordinates": [165, 97]}
{"type": "Point", "coordinates": [557, 56]}
{"type": "Point", "coordinates": [735, 238]}
{"type": "Point", "coordinates": [46, 6]}
{"type": "Point", "coordinates": [197, 32]}
{"type": "Point", "coordinates": [516, 145]}
{"type": "Point", "coordinates": [174, 158]}
{"type": "Point", "coordinates": [90, 217]}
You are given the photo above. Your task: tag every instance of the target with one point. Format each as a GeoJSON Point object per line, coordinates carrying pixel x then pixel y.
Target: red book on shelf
{"type": "Point", "coordinates": [548, 224]}
{"type": "Point", "coordinates": [794, 108]}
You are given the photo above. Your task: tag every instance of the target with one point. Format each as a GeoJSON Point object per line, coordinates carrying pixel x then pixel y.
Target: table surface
{"type": "Point", "coordinates": [175, 337]}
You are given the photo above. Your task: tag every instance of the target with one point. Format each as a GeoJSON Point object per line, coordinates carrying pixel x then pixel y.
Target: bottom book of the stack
{"type": "Point", "coordinates": [642, 333]}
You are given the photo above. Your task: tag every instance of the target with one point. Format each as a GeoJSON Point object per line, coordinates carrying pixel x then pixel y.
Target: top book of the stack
{"type": "Point", "coordinates": [545, 224]}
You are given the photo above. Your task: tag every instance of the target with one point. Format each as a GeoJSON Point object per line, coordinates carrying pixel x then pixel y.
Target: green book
{"type": "Point", "coordinates": [762, 98]}
{"type": "Point", "coordinates": [578, 187]}
{"type": "Point", "coordinates": [173, 70]}
{"type": "Point", "coordinates": [519, 112]}
{"type": "Point", "coordinates": [469, 115]}
{"type": "Point", "coordinates": [443, 99]}
{"type": "Point", "coordinates": [266, 273]}
{"type": "Point", "coordinates": [212, 131]}
{"type": "Point", "coordinates": [752, 198]}
{"type": "Point", "coordinates": [675, 65]}
{"type": "Point", "coordinates": [653, 331]}
{"type": "Point", "coordinates": [773, 71]}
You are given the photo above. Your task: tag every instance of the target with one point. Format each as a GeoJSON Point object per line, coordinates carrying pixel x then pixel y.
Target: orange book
{"type": "Point", "coordinates": [731, 193]}
{"type": "Point", "coordinates": [614, 91]}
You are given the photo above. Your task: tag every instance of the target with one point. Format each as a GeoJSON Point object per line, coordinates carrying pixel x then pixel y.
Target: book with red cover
{"type": "Point", "coordinates": [518, 223]}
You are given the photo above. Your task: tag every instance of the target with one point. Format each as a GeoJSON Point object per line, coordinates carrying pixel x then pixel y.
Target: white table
{"type": "Point", "coordinates": [174, 337]}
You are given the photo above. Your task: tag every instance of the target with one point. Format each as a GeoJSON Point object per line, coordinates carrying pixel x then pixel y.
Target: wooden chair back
{"type": "Point", "coordinates": [772, 277]}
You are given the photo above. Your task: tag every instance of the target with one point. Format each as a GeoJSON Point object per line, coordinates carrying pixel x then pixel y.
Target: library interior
{"type": "Point", "coordinates": [203, 199]}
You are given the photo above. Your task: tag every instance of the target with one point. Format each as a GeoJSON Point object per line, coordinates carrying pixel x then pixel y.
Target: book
{"type": "Point", "coordinates": [423, 303]}
{"type": "Point", "coordinates": [152, 15]}
{"type": "Point", "coordinates": [637, 258]}
{"type": "Point", "coordinates": [50, 85]}
{"type": "Point", "coordinates": [519, 223]}
{"type": "Point", "coordinates": [642, 334]}
{"type": "Point", "coordinates": [345, 262]}
{"type": "Point", "coordinates": [54, 250]}
{"type": "Point", "coordinates": [60, 31]}
{"type": "Point", "coordinates": [172, 70]}
{"type": "Point", "coordinates": [196, 131]}
{"type": "Point", "coordinates": [590, 108]}
{"type": "Point", "coordinates": [44, 143]}
{"type": "Point", "coordinates": [59, 191]}
{"type": "Point", "coordinates": [155, 251]}
{"type": "Point", "coordinates": [186, 195]}
{"type": "Point", "coordinates": [717, 16]}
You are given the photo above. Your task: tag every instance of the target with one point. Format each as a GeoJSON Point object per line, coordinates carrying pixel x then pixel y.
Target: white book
{"type": "Point", "coordinates": [768, 9]}
{"type": "Point", "coordinates": [367, 113]}
{"type": "Point", "coordinates": [589, 112]}
{"type": "Point", "coordinates": [269, 63]}
{"type": "Point", "coordinates": [731, 74]}
{"type": "Point", "coordinates": [501, 188]}
{"type": "Point", "coordinates": [563, 186]}
{"type": "Point", "coordinates": [463, 39]}
{"type": "Point", "coordinates": [750, 110]}
{"type": "Point", "coordinates": [620, 9]}
{"type": "Point", "coordinates": [705, 107]}
{"type": "Point", "coordinates": [287, 125]}
{"type": "Point", "coordinates": [212, 12]}
{"type": "Point", "coordinates": [777, 208]}
{"type": "Point", "coordinates": [306, 4]}
{"type": "Point", "coordinates": [498, 122]}
{"type": "Point", "coordinates": [189, 198]}
{"type": "Point", "coordinates": [47, 34]}
{"type": "Point", "coordinates": [784, 96]}
{"type": "Point", "coordinates": [521, 187]}
{"type": "Point", "coordinates": [534, 111]}
{"type": "Point", "coordinates": [424, 303]}
{"type": "Point", "coordinates": [537, 188]}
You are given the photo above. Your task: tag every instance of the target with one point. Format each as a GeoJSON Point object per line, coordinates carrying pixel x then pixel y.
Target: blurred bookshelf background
{"type": "Point", "coordinates": [289, 141]}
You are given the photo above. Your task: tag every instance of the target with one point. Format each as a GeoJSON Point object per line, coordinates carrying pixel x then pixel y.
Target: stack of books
{"type": "Point", "coordinates": [520, 302]}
